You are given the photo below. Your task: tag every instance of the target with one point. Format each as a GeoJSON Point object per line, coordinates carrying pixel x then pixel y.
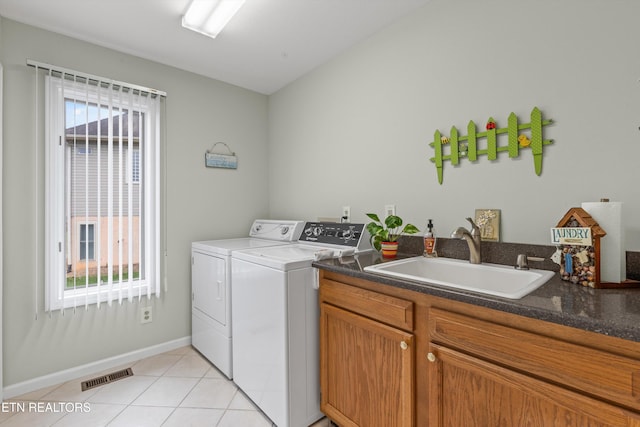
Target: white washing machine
{"type": "Point", "coordinates": [211, 287]}
{"type": "Point", "coordinates": [276, 321]}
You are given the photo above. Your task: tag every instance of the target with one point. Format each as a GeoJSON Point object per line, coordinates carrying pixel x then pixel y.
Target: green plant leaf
{"type": "Point", "coordinates": [410, 229]}
{"type": "Point", "coordinates": [374, 217]}
{"type": "Point", "coordinates": [393, 221]}
{"type": "Point", "coordinates": [375, 242]}
{"type": "Point", "coordinates": [374, 228]}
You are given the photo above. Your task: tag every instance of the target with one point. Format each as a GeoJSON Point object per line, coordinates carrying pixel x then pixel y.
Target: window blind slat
{"type": "Point", "coordinates": [87, 226]}
{"type": "Point", "coordinates": [155, 142]}
{"type": "Point", "coordinates": [129, 173]}
{"type": "Point", "coordinates": [36, 144]}
{"type": "Point", "coordinates": [141, 137]}
{"type": "Point", "coordinates": [69, 200]}
{"type": "Point", "coordinates": [110, 196]}
{"type": "Point", "coordinates": [98, 235]}
{"type": "Point", "coordinates": [119, 180]}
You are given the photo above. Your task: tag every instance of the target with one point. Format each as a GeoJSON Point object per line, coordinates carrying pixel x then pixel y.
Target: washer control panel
{"type": "Point", "coordinates": [332, 233]}
{"type": "Point", "coordinates": [286, 231]}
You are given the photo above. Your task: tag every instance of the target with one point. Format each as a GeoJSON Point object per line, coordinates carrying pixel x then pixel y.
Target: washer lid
{"type": "Point", "coordinates": [224, 247]}
{"type": "Point", "coordinates": [284, 257]}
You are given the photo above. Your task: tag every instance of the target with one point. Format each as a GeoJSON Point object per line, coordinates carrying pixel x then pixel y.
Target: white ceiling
{"type": "Point", "coordinates": [268, 44]}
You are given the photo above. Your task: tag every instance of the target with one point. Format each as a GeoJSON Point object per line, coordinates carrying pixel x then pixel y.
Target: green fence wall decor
{"type": "Point", "coordinates": [462, 146]}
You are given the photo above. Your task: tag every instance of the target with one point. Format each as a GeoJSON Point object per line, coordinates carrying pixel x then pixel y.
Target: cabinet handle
{"type": "Point", "coordinates": [404, 345]}
{"type": "Point", "coordinates": [431, 357]}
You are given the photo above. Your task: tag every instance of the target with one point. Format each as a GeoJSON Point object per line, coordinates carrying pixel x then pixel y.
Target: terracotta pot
{"type": "Point", "coordinates": [389, 249]}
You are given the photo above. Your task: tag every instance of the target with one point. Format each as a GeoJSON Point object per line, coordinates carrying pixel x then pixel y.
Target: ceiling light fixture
{"type": "Point", "coordinates": [209, 17]}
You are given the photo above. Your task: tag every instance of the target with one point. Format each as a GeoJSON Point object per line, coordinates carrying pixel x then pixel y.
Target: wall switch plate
{"type": "Point", "coordinates": [146, 314]}
{"type": "Point", "coordinates": [389, 210]}
{"type": "Point", "coordinates": [346, 214]}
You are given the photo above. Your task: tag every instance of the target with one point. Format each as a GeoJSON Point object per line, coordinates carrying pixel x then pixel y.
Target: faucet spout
{"type": "Point", "coordinates": [473, 241]}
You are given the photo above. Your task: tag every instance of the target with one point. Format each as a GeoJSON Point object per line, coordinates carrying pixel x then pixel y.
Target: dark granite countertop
{"type": "Point", "coordinates": [612, 312]}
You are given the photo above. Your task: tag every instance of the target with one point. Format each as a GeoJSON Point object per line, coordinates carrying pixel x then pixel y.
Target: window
{"type": "Point", "coordinates": [102, 193]}
{"type": "Point", "coordinates": [87, 242]}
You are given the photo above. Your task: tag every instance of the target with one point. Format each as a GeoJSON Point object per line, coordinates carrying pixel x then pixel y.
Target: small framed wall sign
{"type": "Point", "coordinates": [213, 160]}
{"type": "Point", "coordinates": [220, 160]}
{"type": "Point", "coordinates": [488, 221]}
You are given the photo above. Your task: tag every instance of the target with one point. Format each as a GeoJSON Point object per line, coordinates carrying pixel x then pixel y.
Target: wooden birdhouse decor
{"type": "Point", "coordinates": [577, 237]}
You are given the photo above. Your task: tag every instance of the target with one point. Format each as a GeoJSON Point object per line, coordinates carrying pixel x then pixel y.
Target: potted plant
{"type": "Point", "coordinates": [384, 235]}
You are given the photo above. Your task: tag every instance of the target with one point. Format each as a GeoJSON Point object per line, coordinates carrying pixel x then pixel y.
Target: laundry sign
{"type": "Point", "coordinates": [571, 236]}
{"type": "Point", "coordinates": [577, 239]}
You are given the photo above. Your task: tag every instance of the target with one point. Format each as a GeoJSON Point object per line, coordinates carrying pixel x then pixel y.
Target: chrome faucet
{"type": "Point", "coordinates": [473, 240]}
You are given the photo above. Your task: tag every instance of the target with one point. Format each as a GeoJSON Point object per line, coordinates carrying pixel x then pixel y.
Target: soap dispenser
{"type": "Point", "coordinates": [430, 241]}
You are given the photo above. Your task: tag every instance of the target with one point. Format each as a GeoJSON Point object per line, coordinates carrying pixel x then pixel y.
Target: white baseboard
{"type": "Point", "coordinates": [91, 368]}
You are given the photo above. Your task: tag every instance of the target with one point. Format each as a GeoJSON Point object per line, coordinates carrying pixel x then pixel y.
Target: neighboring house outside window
{"type": "Point", "coordinates": [85, 162]}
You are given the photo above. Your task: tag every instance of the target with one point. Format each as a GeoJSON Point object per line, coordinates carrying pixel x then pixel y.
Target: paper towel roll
{"type": "Point", "coordinates": [613, 263]}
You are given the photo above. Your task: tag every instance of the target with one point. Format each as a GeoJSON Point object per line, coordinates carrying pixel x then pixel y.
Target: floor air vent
{"type": "Point", "coordinates": [105, 379]}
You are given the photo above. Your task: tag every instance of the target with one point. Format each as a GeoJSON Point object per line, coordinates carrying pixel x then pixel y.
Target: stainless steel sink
{"type": "Point", "coordinates": [492, 279]}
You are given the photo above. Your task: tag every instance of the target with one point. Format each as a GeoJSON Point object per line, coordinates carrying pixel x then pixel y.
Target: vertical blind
{"type": "Point", "coordinates": [102, 189]}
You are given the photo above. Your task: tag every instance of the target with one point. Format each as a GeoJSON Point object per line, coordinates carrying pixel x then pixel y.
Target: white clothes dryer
{"type": "Point", "coordinates": [211, 288]}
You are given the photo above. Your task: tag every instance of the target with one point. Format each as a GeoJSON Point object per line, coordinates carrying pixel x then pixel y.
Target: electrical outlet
{"type": "Point", "coordinates": [389, 210]}
{"type": "Point", "coordinates": [346, 214]}
{"type": "Point", "coordinates": [146, 314]}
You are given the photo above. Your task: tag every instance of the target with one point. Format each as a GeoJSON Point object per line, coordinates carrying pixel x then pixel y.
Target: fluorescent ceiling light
{"type": "Point", "coordinates": [209, 17]}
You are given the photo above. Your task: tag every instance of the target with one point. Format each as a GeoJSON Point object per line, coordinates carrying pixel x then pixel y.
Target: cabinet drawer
{"type": "Point", "coordinates": [605, 375]}
{"type": "Point", "coordinates": [384, 308]}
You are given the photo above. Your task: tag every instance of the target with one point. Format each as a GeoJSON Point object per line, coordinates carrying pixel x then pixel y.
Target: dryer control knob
{"type": "Point", "coordinates": [284, 230]}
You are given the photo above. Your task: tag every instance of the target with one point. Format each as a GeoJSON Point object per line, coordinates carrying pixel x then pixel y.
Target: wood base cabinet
{"type": "Point", "coordinates": [393, 357]}
{"type": "Point", "coordinates": [366, 371]}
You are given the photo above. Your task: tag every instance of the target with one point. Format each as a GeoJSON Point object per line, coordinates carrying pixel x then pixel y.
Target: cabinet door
{"type": "Point", "coordinates": [466, 391]}
{"type": "Point", "coordinates": [366, 371]}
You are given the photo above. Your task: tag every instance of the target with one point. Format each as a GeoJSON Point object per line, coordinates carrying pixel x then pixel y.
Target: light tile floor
{"type": "Point", "coordinates": [175, 389]}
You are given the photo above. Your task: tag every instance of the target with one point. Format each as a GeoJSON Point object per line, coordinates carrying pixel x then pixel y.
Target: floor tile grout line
{"type": "Point", "coordinates": [190, 390]}
{"type": "Point", "coordinates": [235, 393]}
{"type": "Point", "coordinates": [254, 409]}
{"type": "Point", "coordinates": [116, 416]}
{"type": "Point", "coordinates": [187, 394]}
{"type": "Point", "coordinates": [125, 406]}
{"type": "Point", "coordinates": [169, 368]}
{"type": "Point", "coordinates": [169, 416]}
